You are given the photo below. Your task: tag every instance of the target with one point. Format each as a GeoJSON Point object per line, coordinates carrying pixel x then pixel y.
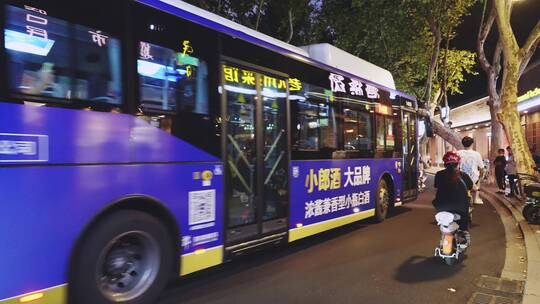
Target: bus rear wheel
{"type": "Point", "coordinates": [382, 201]}
{"type": "Point", "coordinates": [127, 257]}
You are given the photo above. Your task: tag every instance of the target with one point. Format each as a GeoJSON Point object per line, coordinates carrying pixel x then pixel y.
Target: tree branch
{"type": "Point", "coordinates": [532, 41]}
{"type": "Point", "coordinates": [290, 25]}
{"type": "Point", "coordinates": [259, 9]}
{"type": "Point", "coordinates": [509, 42]}
{"type": "Point", "coordinates": [435, 30]}
{"type": "Point", "coordinates": [485, 28]}
{"type": "Point", "coordinates": [527, 58]}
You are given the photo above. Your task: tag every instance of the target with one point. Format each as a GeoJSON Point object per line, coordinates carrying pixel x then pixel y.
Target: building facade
{"type": "Point", "coordinates": [473, 119]}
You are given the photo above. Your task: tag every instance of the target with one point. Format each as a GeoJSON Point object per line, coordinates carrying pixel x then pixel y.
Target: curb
{"type": "Point", "coordinates": [531, 294]}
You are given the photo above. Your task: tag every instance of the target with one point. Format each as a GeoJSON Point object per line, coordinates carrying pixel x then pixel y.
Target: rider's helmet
{"type": "Point", "coordinates": [451, 158]}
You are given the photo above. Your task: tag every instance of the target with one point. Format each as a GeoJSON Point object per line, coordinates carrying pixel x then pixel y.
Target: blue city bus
{"type": "Point", "coordinates": [142, 140]}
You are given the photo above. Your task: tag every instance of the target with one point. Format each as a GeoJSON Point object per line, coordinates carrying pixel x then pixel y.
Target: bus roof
{"type": "Point", "coordinates": [342, 60]}
{"type": "Point", "coordinates": [322, 55]}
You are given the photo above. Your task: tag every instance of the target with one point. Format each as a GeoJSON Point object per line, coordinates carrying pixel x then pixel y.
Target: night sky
{"type": "Point", "coordinates": [525, 15]}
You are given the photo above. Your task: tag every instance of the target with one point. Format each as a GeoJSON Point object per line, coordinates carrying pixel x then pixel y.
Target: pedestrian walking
{"type": "Point", "coordinates": [500, 164]}
{"type": "Point", "coordinates": [511, 171]}
{"type": "Point", "coordinates": [472, 165]}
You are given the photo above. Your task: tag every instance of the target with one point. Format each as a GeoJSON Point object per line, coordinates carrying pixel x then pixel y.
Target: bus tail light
{"type": "Point", "coordinates": [31, 297]}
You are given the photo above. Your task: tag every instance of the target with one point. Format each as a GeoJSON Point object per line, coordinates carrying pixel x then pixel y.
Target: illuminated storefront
{"type": "Point", "coordinates": [473, 119]}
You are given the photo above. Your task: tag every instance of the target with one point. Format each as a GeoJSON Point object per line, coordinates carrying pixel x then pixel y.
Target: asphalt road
{"type": "Point", "coordinates": [391, 262]}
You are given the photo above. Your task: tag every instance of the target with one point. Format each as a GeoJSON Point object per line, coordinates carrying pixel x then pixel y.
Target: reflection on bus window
{"type": "Point", "coordinates": [97, 74]}
{"type": "Point", "coordinates": [162, 122]}
{"type": "Point", "coordinates": [315, 127]}
{"type": "Point", "coordinates": [171, 80]}
{"type": "Point", "coordinates": [390, 134]}
{"type": "Point", "coordinates": [356, 130]}
{"type": "Point", "coordinates": [380, 132]}
{"type": "Point", "coordinates": [50, 57]}
{"type": "Point", "coordinates": [314, 122]}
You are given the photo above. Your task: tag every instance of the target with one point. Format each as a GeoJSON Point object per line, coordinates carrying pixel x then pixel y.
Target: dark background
{"type": "Point", "coordinates": [525, 15]}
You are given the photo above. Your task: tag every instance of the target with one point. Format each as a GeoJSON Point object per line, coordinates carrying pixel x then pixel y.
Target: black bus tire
{"type": "Point", "coordinates": [129, 244]}
{"type": "Point", "coordinates": [382, 201]}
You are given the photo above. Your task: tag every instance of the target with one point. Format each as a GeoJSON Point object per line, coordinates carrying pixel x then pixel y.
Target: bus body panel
{"type": "Point", "coordinates": [330, 193]}
{"type": "Point", "coordinates": [46, 205]}
{"type": "Point", "coordinates": [87, 137]}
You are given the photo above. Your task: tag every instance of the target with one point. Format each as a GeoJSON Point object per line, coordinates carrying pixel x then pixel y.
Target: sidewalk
{"type": "Point", "coordinates": [531, 235]}
{"type": "Point", "coordinates": [432, 170]}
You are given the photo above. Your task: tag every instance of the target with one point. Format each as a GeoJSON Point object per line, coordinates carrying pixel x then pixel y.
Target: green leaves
{"type": "Point", "coordinates": [393, 34]}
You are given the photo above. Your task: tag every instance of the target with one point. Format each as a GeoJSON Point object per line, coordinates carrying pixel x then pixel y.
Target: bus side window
{"type": "Point", "coordinates": [52, 60]}
{"type": "Point", "coordinates": [171, 81]}
{"type": "Point", "coordinates": [314, 128]}
{"type": "Point", "coordinates": [98, 75]}
{"type": "Point", "coordinates": [357, 130]}
{"type": "Point", "coordinates": [380, 133]}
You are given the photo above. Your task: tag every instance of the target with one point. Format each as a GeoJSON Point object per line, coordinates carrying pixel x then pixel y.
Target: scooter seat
{"type": "Point", "coordinates": [532, 190]}
{"type": "Point", "coordinates": [445, 218]}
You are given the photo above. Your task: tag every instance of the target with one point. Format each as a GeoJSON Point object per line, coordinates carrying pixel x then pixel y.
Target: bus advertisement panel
{"type": "Point", "coordinates": [330, 193]}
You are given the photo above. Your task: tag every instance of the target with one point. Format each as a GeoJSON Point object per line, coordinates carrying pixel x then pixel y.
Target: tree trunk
{"type": "Point", "coordinates": [448, 135]}
{"type": "Point", "coordinates": [510, 118]}
{"type": "Point", "coordinates": [497, 133]}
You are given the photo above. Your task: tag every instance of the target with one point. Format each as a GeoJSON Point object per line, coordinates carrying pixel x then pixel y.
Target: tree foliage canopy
{"type": "Point", "coordinates": [393, 34]}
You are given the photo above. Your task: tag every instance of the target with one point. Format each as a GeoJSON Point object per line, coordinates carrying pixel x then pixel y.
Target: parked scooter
{"type": "Point", "coordinates": [453, 241]}
{"type": "Point", "coordinates": [531, 209]}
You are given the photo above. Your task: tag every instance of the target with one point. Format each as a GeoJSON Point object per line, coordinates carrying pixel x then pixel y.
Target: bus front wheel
{"type": "Point", "coordinates": [127, 257]}
{"type": "Point", "coordinates": [382, 201]}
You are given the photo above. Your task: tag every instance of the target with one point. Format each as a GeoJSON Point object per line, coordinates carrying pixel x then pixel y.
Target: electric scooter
{"type": "Point", "coordinates": [453, 241]}
{"type": "Point", "coordinates": [531, 209]}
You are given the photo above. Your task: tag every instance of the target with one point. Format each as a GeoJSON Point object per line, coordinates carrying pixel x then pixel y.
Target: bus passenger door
{"type": "Point", "coordinates": [410, 157]}
{"type": "Point", "coordinates": [256, 155]}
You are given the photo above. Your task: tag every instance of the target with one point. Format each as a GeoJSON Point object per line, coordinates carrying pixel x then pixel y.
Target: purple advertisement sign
{"type": "Point", "coordinates": [327, 189]}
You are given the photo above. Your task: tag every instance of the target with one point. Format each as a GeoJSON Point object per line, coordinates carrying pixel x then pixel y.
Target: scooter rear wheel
{"type": "Point", "coordinates": [533, 215]}
{"type": "Point", "coordinates": [450, 261]}
{"type": "Point", "coordinates": [526, 210]}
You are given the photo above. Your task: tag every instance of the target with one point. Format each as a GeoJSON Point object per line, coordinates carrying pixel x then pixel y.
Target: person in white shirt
{"type": "Point", "coordinates": [472, 164]}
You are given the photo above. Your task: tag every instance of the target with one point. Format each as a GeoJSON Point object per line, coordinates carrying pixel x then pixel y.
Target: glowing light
{"type": "Point", "coordinates": [298, 225]}
{"type": "Point", "coordinates": [239, 90]}
{"type": "Point", "coordinates": [31, 297]}
{"type": "Point", "coordinates": [383, 109]}
{"type": "Point", "coordinates": [158, 71]}
{"type": "Point", "coordinates": [25, 43]}
{"type": "Point", "coordinates": [200, 251]}
{"type": "Point", "coordinates": [356, 210]}
{"type": "Point", "coordinates": [529, 103]}
{"type": "Point", "coordinates": [313, 125]}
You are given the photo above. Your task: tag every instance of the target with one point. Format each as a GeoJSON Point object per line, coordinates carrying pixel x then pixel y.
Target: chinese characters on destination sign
{"type": "Point", "coordinates": [241, 76]}
{"type": "Point", "coordinates": [338, 84]}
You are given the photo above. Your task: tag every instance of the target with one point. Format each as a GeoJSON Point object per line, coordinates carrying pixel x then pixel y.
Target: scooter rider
{"type": "Point", "coordinates": [453, 188]}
